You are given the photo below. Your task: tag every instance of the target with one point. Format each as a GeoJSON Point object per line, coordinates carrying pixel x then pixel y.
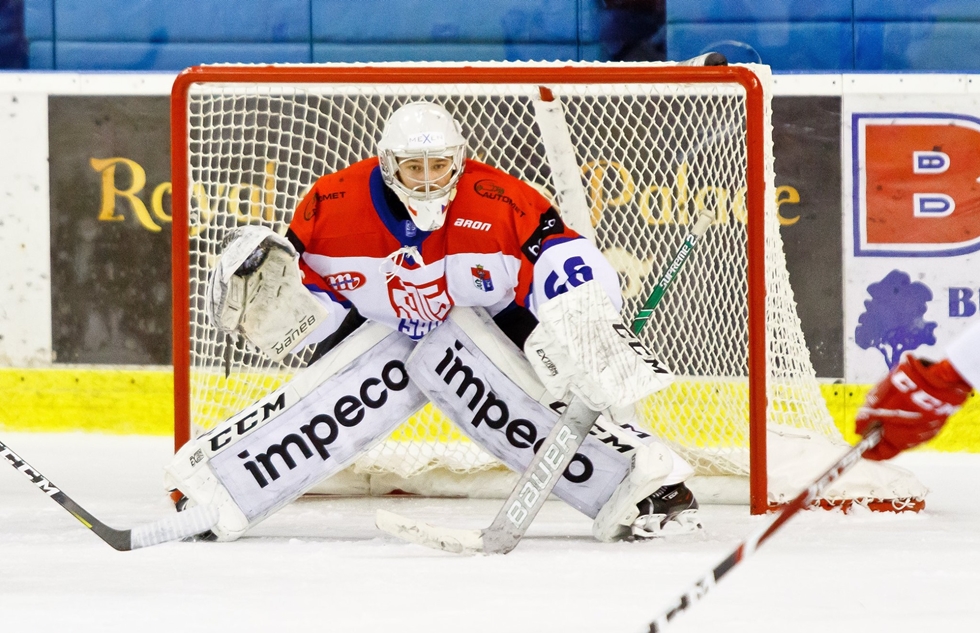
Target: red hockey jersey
{"type": "Point", "coordinates": [502, 242]}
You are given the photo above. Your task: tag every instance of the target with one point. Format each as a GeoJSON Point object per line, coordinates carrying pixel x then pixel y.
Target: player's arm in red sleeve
{"type": "Point", "coordinates": [914, 401]}
{"type": "Point", "coordinates": [300, 234]}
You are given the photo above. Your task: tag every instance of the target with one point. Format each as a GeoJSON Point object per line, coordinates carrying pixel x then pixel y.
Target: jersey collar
{"type": "Point", "coordinates": [404, 231]}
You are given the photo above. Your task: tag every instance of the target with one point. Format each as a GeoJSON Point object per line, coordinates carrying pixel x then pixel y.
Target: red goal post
{"type": "Point", "coordinates": [247, 141]}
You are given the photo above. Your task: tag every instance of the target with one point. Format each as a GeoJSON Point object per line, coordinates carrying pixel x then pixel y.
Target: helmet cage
{"type": "Point", "coordinates": [426, 189]}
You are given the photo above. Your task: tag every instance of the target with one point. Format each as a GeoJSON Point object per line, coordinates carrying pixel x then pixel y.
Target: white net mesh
{"type": "Point", "coordinates": [651, 155]}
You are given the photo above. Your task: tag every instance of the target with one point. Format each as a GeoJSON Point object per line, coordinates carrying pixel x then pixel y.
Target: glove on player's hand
{"type": "Point", "coordinates": [912, 403]}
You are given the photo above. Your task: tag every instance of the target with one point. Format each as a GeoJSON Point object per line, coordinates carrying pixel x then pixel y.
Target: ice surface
{"type": "Point", "coordinates": [321, 565]}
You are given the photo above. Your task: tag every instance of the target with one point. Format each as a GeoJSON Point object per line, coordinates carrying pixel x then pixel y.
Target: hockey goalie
{"type": "Point", "coordinates": [422, 275]}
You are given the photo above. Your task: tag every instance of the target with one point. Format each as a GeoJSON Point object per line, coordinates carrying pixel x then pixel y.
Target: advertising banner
{"type": "Point", "coordinates": [110, 226]}
{"type": "Point", "coordinates": [911, 226]}
{"type": "Point", "coordinates": [806, 143]}
{"type": "Point", "coordinates": [110, 229]}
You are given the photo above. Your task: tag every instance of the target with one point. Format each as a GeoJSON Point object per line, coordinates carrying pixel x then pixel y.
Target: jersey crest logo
{"type": "Point", "coordinates": [424, 302]}
{"type": "Point", "coordinates": [345, 281]}
{"type": "Point", "coordinates": [481, 278]}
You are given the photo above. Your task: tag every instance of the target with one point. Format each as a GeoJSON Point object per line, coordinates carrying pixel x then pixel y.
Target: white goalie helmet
{"type": "Point", "coordinates": [416, 136]}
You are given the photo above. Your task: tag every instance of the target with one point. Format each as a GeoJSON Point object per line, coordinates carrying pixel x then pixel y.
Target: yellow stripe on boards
{"type": "Point", "coordinates": [140, 402]}
{"type": "Point", "coordinates": [961, 432]}
{"type": "Point", "coordinates": [428, 425]}
{"type": "Point", "coordinates": [115, 401]}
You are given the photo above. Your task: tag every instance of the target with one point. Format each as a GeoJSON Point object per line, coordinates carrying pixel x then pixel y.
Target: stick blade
{"type": "Point", "coordinates": [182, 525]}
{"type": "Point", "coordinates": [455, 540]}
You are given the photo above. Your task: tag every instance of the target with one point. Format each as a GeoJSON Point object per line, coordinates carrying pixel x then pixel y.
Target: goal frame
{"type": "Point", "coordinates": [541, 75]}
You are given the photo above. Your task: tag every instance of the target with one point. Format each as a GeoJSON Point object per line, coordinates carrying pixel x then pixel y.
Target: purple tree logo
{"type": "Point", "coordinates": [893, 319]}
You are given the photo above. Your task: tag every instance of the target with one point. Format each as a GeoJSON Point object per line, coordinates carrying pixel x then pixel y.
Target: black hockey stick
{"type": "Point", "coordinates": [697, 591]}
{"type": "Point", "coordinates": [549, 462]}
{"type": "Point", "coordinates": [194, 521]}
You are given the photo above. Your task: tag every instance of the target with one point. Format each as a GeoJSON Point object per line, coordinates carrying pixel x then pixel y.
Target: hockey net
{"type": "Point", "coordinates": [655, 143]}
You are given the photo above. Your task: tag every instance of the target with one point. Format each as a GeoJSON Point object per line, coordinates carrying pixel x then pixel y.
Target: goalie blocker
{"type": "Point", "coordinates": [266, 456]}
{"type": "Point", "coordinates": [482, 381]}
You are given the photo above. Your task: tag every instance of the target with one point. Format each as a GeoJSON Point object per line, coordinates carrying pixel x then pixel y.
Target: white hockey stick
{"type": "Point", "coordinates": [697, 591]}
{"type": "Point", "coordinates": [181, 525]}
{"type": "Point", "coordinates": [522, 505]}
{"type": "Point", "coordinates": [566, 175]}
{"type": "Point", "coordinates": [549, 462]}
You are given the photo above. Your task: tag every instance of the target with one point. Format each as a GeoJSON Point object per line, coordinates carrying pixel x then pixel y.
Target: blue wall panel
{"type": "Point", "coordinates": [375, 29]}
{"type": "Point", "coordinates": [586, 53]}
{"type": "Point", "coordinates": [590, 20]}
{"type": "Point", "coordinates": [456, 22]}
{"type": "Point", "coordinates": [707, 11]}
{"type": "Point", "coordinates": [38, 18]}
{"type": "Point", "coordinates": [174, 56]}
{"type": "Point", "coordinates": [40, 55]}
{"type": "Point", "coordinates": [328, 52]}
{"type": "Point", "coordinates": [918, 46]}
{"type": "Point", "coordinates": [914, 10]}
{"type": "Point", "coordinates": [787, 34]}
{"type": "Point", "coordinates": [183, 20]}
{"type": "Point", "coordinates": [784, 46]}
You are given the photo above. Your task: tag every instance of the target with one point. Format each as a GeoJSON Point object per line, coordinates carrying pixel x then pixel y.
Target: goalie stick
{"type": "Point", "coordinates": [697, 591]}
{"type": "Point", "coordinates": [566, 175]}
{"type": "Point", "coordinates": [557, 450]}
{"type": "Point", "coordinates": [182, 525]}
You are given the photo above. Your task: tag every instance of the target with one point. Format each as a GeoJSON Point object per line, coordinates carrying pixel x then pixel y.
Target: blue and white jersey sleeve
{"type": "Point", "coordinates": [566, 263]}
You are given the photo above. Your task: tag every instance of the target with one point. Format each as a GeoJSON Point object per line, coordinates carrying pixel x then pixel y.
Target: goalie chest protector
{"type": "Point", "coordinates": [487, 253]}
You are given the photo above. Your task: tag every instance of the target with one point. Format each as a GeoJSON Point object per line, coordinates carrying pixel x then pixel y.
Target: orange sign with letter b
{"type": "Point", "coordinates": [916, 184]}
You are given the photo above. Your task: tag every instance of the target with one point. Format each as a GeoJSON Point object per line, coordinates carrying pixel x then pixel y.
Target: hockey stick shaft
{"type": "Point", "coordinates": [700, 227]}
{"type": "Point", "coordinates": [194, 521]}
{"type": "Point", "coordinates": [539, 478]}
{"type": "Point", "coordinates": [697, 591]}
{"type": "Point", "coordinates": [566, 174]}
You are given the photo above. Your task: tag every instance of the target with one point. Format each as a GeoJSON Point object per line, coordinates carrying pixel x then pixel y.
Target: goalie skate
{"type": "Point", "coordinates": [669, 511]}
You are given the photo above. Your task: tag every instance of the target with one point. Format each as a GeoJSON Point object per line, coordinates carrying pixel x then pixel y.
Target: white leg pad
{"type": "Point", "coordinates": [484, 384]}
{"type": "Point", "coordinates": [681, 470]}
{"type": "Point", "coordinates": [650, 465]}
{"type": "Point", "coordinates": [189, 473]}
{"type": "Point", "coordinates": [261, 459]}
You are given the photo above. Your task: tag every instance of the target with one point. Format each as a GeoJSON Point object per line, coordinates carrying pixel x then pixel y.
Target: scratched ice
{"type": "Point", "coordinates": [320, 565]}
